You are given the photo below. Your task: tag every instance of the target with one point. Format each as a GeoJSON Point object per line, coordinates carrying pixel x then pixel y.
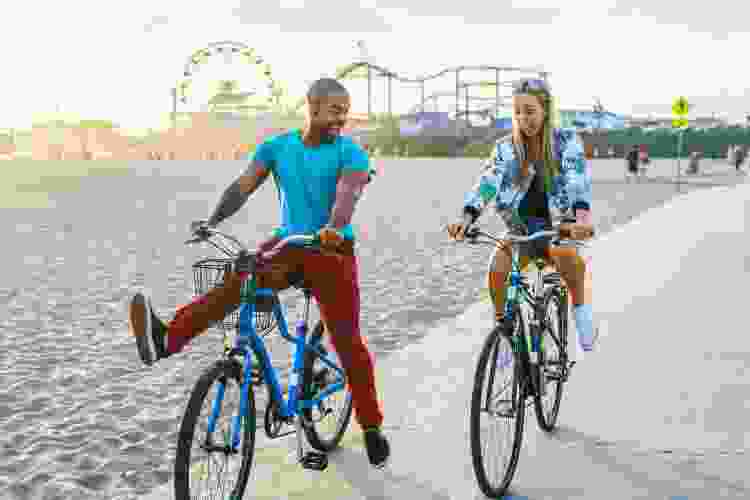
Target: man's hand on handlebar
{"type": "Point", "coordinates": [330, 239]}
{"type": "Point", "coordinates": [199, 229]}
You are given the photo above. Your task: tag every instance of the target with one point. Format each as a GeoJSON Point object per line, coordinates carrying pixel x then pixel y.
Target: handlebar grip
{"type": "Point", "coordinates": [566, 230]}
{"type": "Point", "coordinates": [563, 252]}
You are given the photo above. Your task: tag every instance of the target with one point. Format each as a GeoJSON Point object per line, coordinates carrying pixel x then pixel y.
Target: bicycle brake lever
{"type": "Point", "coordinates": [472, 234]}
{"type": "Point", "coordinates": [200, 233]}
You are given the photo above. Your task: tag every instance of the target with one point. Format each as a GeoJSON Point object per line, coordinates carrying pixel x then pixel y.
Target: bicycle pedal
{"type": "Point", "coordinates": [315, 461]}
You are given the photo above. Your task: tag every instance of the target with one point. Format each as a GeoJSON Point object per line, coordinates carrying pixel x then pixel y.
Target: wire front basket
{"type": "Point", "coordinates": [211, 273]}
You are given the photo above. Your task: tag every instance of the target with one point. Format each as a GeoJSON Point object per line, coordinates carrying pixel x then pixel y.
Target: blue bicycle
{"type": "Point", "coordinates": [226, 434]}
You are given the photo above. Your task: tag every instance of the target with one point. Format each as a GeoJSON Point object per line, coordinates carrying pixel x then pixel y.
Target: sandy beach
{"type": "Point", "coordinates": [82, 418]}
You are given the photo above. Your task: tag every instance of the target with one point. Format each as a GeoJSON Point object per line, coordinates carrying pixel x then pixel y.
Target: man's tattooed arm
{"type": "Point", "coordinates": [238, 192]}
{"type": "Point", "coordinates": [348, 192]}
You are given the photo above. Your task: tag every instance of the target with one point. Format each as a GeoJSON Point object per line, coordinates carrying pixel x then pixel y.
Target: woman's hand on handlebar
{"type": "Point", "coordinates": [457, 230]}
{"type": "Point", "coordinates": [577, 231]}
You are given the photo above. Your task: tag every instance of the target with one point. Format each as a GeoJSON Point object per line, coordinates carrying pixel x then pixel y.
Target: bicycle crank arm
{"type": "Point", "coordinates": [288, 433]}
{"type": "Point", "coordinates": [311, 421]}
{"type": "Point", "coordinates": [227, 450]}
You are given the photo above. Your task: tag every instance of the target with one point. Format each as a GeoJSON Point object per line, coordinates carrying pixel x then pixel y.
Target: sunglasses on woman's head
{"type": "Point", "coordinates": [532, 84]}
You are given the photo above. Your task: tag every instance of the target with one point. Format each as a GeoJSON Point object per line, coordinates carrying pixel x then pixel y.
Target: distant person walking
{"type": "Point", "coordinates": [632, 162]}
{"type": "Point", "coordinates": [739, 157]}
{"type": "Point", "coordinates": [693, 166]}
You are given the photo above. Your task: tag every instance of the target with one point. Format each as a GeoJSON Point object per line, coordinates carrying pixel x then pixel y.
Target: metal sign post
{"type": "Point", "coordinates": [680, 108]}
{"type": "Point", "coordinates": [679, 170]}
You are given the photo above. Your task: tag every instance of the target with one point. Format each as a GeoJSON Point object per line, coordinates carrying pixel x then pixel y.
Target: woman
{"type": "Point", "coordinates": [536, 176]}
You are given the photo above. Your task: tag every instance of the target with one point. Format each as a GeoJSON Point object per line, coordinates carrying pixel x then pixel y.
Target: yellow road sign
{"type": "Point", "coordinates": [679, 123]}
{"type": "Point", "coordinates": [680, 107]}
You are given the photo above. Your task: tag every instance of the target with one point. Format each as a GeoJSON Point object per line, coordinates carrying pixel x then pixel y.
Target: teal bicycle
{"type": "Point", "coordinates": [531, 346]}
{"type": "Point", "coordinates": [216, 449]}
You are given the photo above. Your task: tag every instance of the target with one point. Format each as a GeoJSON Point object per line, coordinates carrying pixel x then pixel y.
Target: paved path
{"type": "Point", "coordinates": [658, 412]}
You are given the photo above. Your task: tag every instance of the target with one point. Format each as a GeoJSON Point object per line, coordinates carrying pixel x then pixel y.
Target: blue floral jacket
{"type": "Point", "coordinates": [500, 181]}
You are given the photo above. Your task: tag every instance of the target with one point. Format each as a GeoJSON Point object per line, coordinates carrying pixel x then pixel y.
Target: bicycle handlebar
{"type": "Point", "coordinates": [561, 231]}
{"type": "Point", "coordinates": [206, 234]}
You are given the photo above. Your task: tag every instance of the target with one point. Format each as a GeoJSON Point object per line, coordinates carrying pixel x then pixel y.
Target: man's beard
{"type": "Point", "coordinates": [327, 138]}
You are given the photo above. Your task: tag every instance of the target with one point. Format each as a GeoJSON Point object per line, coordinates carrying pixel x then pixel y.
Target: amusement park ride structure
{"type": "Point", "coordinates": [471, 105]}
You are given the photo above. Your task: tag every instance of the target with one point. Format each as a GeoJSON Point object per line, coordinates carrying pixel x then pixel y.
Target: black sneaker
{"type": "Point", "coordinates": [149, 331]}
{"type": "Point", "coordinates": [378, 449]}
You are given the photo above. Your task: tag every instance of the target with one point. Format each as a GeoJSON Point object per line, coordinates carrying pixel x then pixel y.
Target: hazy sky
{"type": "Point", "coordinates": [118, 60]}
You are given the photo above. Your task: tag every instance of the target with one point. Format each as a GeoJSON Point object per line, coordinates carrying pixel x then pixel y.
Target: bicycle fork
{"type": "Point", "coordinates": [231, 441]}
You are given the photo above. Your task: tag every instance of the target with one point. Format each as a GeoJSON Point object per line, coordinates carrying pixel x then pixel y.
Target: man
{"type": "Point", "coordinates": [319, 176]}
{"type": "Point", "coordinates": [536, 176]}
{"type": "Point", "coordinates": [739, 157]}
{"type": "Point", "coordinates": [693, 165]}
{"type": "Point", "coordinates": [632, 162]}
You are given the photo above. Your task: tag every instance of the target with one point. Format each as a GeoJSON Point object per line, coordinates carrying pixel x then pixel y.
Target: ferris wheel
{"type": "Point", "coordinates": [230, 50]}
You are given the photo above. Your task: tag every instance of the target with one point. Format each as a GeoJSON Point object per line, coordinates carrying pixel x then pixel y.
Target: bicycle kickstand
{"type": "Point", "coordinates": [311, 460]}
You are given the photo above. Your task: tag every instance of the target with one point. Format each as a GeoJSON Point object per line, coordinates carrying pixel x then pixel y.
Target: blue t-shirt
{"type": "Point", "coordinates": [306, 178]}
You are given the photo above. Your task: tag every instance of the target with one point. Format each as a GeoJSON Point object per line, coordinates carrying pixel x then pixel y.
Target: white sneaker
{"type": "Point", "coordinates": [575, 353]}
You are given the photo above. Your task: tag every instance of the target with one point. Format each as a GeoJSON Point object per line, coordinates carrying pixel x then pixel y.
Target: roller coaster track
{"type": "Point", "coordinates": [437, 95]}
{"type": "Point", "coordinates": [342, 73]}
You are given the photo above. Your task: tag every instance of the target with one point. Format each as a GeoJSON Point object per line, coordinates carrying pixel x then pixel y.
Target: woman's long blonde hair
{"type": "Point", "coordinates": [551, 162]}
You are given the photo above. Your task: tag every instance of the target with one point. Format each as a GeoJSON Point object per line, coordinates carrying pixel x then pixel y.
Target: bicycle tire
{"type": "Point", "coordinates": [314, 437]}
{"type": "Point", "coordinates": [519, 389]}
{"type": "Point", "coordinates": [228, 370]}
{"type": "Point", "coordinates": [548, 421]}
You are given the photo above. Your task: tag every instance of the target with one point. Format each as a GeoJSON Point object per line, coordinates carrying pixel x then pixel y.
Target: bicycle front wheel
{"type": "Point", "coordinates": [329, 419]}
{"type": "Point", "coordinates": [211, 465]}
{"type": "Point", "coordinates": [553, 363]}
{"type": "Point", "coordinates": [499, 396]}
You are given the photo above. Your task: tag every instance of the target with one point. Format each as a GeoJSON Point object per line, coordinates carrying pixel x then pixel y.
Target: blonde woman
{"type": "Point", "coordinates": [536, 176]}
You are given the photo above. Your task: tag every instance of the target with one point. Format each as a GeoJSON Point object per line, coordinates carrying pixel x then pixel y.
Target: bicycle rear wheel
{"type": "Point", "coordinates": [503, 400]}
{"type": "Point", "coordinates": [226, 469]}
{"type": "Point", "coordinates": [330, 418]}
{"type": "Point", "coordinates": [555, 359]}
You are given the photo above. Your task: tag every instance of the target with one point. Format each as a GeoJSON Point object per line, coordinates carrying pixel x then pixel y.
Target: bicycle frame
{"type": "Point", "coordinates": [518, 292]}
{"type": "Point", "coordinates": [249, 343]}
